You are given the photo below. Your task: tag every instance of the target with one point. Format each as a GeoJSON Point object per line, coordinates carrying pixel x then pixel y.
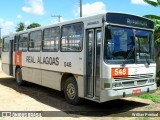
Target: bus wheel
{"type": "Point", "coordinates": [19, 77]}
{"type": "Point", "coordinates": [71, 91]}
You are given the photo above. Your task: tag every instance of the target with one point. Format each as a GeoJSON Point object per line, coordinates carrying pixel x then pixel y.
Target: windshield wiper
{"type": "Point", "coordinates": [145, 55]}
{"type": "Point", "coordinates": [129, 55]}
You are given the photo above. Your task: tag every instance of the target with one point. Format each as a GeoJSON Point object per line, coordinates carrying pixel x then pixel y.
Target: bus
{"type": "Point", "coordinates": [100, 58]}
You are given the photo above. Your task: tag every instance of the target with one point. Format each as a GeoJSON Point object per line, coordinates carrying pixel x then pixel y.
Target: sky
{"type": "Point", "coordinates": [12, 12]}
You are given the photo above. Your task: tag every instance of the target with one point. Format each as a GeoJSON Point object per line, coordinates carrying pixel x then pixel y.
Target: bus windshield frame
{"type": "Point", "coordinates": [128, 45]}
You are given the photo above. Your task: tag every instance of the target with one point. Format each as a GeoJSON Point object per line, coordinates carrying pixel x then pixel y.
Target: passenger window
{"type": "Point", "coordinates": [5, 44]}
{"type": "Point", "coordinates": [72, 37]}
{"type": "Point", "coordinates": [23, 42]}
{"type": "Point", "coordinates": [51, 39]}
{"type": "Point", "coordinates": [35, 40]}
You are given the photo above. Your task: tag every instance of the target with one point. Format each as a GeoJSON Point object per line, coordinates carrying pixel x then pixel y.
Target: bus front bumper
{"type": "Point", "coordinates": [111, 94]}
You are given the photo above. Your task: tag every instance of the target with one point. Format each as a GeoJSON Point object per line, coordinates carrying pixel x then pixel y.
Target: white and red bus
{"type": "Point", "coordinates": [100, 58]}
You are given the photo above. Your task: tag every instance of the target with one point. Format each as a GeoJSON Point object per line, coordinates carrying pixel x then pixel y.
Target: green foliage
{"type": "Point", "coordinates": [156, 20]}
{"type": "Point", "coordinates": [153, 3]}
{"type": "Point", "coordinates": [33, 25]}
{"type": "Point", "coordinates": [152, 17]}
{"type": "Point", "coordinates": [158, 74]}
{"type": "Point", "coordinates": [158, 83]}
{"type": "Point", "coordinates": [21, 26]}
{"type": "Point", "coordinates": [158, 80]}
{"type": "Point", "coordinates": [152, 97]}
{"type": "Point", "coordinates": [0, 42]}
{"type": "Point", "coordinates": [143, 118]}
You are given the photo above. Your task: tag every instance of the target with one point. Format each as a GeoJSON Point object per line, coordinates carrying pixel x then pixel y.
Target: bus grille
{"type": "Point", "coordinates": [135, 77]}
{"type": "Point", "coordinates": [128, 84]}
{"type": "Point", "coordinates": [134, 83]}
{"type": "Point", "coordinates": [142, 82]}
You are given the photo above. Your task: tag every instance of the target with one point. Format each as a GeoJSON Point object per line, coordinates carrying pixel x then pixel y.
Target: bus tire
{"type": "Point", "coordinates": [71, 92]}
{"type": "Point", "coordinates": [19, 80]}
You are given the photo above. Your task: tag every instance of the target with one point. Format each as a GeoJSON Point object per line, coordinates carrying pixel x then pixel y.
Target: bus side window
{"type": "Point", "coordinates": [72, 37]}
{"type": "Point", "coordinates": [35, 38]}
{"type": "Point", "coordinates": [5, 44]}
{"type": "Point", "coordinates": [16, 42]}
{"type": "Point", "coordinates": [51, 39]}
{"type": "Point", "coordinates": [23, 42]}
{"type": "Point", "coordinates": [108, 43]}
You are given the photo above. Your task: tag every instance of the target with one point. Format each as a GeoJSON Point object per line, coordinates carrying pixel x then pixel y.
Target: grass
{"type": "Point", "coordinates": [143, 118]}
{"type": "Point", "coordinates": [154, 98]}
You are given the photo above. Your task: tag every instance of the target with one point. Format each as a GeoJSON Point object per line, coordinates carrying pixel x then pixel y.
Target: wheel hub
{"type": "Point", "coordinates": [71, 91]}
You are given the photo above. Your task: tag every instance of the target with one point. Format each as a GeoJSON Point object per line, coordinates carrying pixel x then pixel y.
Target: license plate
{"type": "Point", "coordinates": [136, 91]}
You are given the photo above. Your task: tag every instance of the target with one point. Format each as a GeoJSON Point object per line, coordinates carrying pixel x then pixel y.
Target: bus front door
{"type": "Point", "coordinates": [93, 48]}
{"type": "Point", "coordinates": [11, 57]}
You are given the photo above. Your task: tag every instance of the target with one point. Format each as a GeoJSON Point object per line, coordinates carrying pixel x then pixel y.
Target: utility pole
{"type": "Point", "coordinates": [58, 16]}
{"type": "Point", "coordinates": [0, 33]}
{"type": "Point", "coordinates": [80, 8]}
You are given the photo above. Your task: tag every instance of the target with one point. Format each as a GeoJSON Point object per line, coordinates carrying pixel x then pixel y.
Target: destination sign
{"type": "Point", "coordinates": [129, 20]}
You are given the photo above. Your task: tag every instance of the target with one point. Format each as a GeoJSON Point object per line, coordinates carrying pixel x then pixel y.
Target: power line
{"type": "Point", "coordinates": [80, 8]}
{"type": "Point", "coordinates": [58, 16]}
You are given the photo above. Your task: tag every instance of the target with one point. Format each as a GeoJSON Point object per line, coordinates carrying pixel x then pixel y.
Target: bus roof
{"type": "Point", "coordinates": [110, 17]}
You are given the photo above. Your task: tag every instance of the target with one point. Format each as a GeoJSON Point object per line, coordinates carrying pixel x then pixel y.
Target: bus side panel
{"type": "Point", "coordinates": [5, 62]}
{"type": "Point", "coordinates": [81, 86]}
{"type": "Point", "coordinates": [5, 68]}
{"type": "Point", "coordinates": [50, 69]}
{"type": "Point", "coordinates": [30, 68]}
{"type": "Point", "coordinates": [51, 79]}
{"type": "Point", "coordinates": [31, 75]}
{"type": "Point", "coordinates": [14, 70]}
{"type": "Point", "coordinates": [64, 62]}
{"type": "Point", "coordinates": [54, 64]}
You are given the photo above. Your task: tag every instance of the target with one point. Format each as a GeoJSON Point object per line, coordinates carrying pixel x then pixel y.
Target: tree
{"type": "Point", "coordinates": [21, 26]}
{"type": "Point", "coordinates": [33, 25]}
{"type": "Point", "coordinates": [153, 3]}
{"type": "Point", "coordinates": [156, 20]}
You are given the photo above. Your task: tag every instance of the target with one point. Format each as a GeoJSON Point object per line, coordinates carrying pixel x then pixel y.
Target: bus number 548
{"type": "Point", "coordinates": [67, 64]}
{"type": "Point", "coordinates": [119, 72]}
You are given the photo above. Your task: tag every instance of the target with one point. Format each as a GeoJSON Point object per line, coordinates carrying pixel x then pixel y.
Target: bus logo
{"type": "Point", "coordinates": [18, 58]}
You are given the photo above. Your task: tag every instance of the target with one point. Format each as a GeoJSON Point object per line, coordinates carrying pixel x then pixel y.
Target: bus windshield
{"type": "Point", "coordinates": [128, 45]}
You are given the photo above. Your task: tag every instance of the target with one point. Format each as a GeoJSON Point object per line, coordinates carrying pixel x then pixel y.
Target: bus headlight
{"type": "Point", "coordinates": [116, 85]}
